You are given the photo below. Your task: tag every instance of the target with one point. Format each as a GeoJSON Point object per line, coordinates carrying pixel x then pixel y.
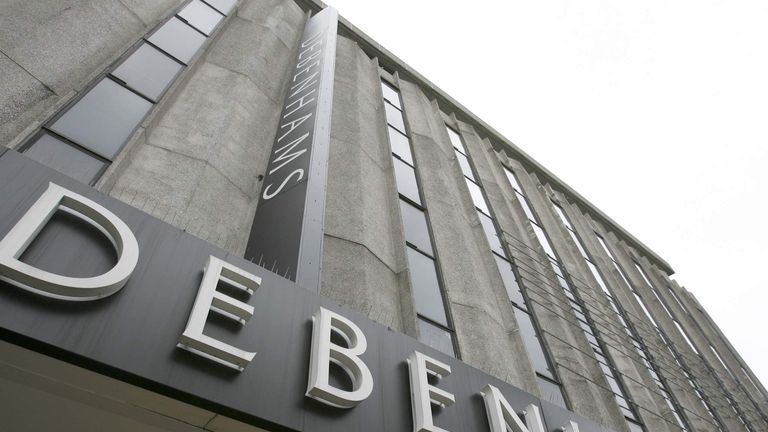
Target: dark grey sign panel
{"type": "Point", "coordinates": [287, 231]}
{"type": "Point", "coordinates": [132, 335]}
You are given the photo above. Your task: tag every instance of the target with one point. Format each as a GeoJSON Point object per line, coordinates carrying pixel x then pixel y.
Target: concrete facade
{"type": "Point", "coordinates": [197, 160]}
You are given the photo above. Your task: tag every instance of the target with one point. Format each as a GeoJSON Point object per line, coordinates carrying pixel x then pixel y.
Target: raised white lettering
{"type": "Point", "coordinates": [209, 299]}
{"type": "Point", "coordinates": [39, 281]}
{"type": "Point", "coordinates": [424, 394]}
{"type": "Point", "coordinates": [501, 416]}
{"type": "Point", "coordinates": [324, 351]}
{"type": "Point", "coordinates": [269, 195]}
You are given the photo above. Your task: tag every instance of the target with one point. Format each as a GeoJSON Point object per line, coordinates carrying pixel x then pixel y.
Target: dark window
{"type": "Point", "coordinates": [148, 71]}
{"type": "Point", "coordinates": [65, 158]}
{"type": "Point", "coordinates": [223, 6]}
{"type": "Point", "coordinates": [532, 343]}
{"type": "Point", "coordinates": [464, 164]}
{"type": "Point", "coordinates": [426, 289]}
{"type": "Point", "coordinates": [436, 337]}
{"type": "Point", "coordinates": [391, 95]}
{"type": "Point", "coordinates": [201, 16]}
{"type": "Point", "coordinates": [405, 177]}
{"type": "Point", "coordinates": [510, 282]}
{"type": "Point", "coordinates": [103, 119]}
{"type": "Point", "coordinates": [477, 197]}
{"type": "Point", "coordinates": [550, 391]}
{"type": "Point", "coordinates": [415, 224]}
{"type": "Point", "coordinates": [490, 233]}
{"type": "Point", "coordinates": [400, 145]}
{"type": "Point", "coordinates": [394, 117]}
{"type": "Point", "coordinates": [177, 39]}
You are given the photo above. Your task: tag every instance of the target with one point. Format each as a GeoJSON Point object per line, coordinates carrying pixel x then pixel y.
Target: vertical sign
{"type": "Point", "coordinates": [287, 232]}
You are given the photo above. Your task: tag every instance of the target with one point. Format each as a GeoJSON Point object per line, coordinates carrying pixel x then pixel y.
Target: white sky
{"type": "Point", "coordinates": [656, 111]}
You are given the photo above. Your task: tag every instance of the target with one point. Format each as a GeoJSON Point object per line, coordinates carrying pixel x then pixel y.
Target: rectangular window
{"type": "Point", "coordinates": [456, 141]}
{"type": "Point", "coordinates": [477, 196]}
{"type": "Point", "coordinates": [201, 16]}
{"type": "Point", "coordinates": [490, 233]}
{"type": "Point", "coordinates": [551, 392]}
{"type": "Point", "coordinates": [148, 71]}
{"type": "Point", "coordinates": [394, 118]}
{"type": "Point", "coordinates": [65, 158]}
{"type": "Point", "coordinates": [223, 6]}
{"type": "Point", "coordinates": [436, 337]}
{"type": "Point", "coordinates": [391, 95]}
{"type": "Point", "coordinates": [400, 145]}
{"type": "Point", "coordinates": [405, 177]}
{"type": "Point", "coordinates": [426, 288]}
{"type": "Point", "coordinates": [104, 119]}
{"type": "Point", "coordinates": [415, 225]}
{"type": "Point", "coordinates": [510, 281]}
{"type": "Point", "coordinates": [177, 39]}
{"type": "Point", "coordinates": [532, 343]}
{"type": "Point", "coordinates": [464, 165]}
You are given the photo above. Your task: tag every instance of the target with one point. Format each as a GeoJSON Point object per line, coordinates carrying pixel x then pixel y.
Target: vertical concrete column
{"type": "Point", "coordinates": [197, 162]}
{"type": "Point", "coordinates": [363, 256]}
{"type": "Point", "coordinates": [569, 348]}
{"type": "Point", "coordinates": [626, 256]}
{"type": "Point", "coordinates": [49, 50]}
{"type": "Point", "coordinates": [487, 174]}
{"type": "Point", "coordinates": [639, 382]}
{"type": "Point", "coordinates": [471, 297]}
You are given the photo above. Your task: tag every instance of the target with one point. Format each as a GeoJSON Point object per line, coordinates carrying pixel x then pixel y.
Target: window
{"type": "Point", "coordinates": [394, 117]}
{"type": "Point", "coordinates": [104, 119]}
{"type": "Point", "coordinates": [178, 39]}
{"type": "Point", "coordinates": [551, 392]}
{"type": "Point", "coordinates": [477, 197]}
{"type": "Point", "coordinates": [510, 281]}
{"type": "Point", "coordinates": [532, 343]}
{"type": "Point", "coordinates": [465, 168]}
{"type": "Point", "coordinates": [65, 158]}
{"type": "Point", "coordinates": [490, 233]}
{"type": "Point", "coordinates": [148, 71]}
{"type": "Point", "coordinates": [426, 288]}
{"type": "Point", "coordinates": [405, 177]}
{"type": "Point", "coordinates": [400, 145]}
{"type": "Point", "coordinates": [201, 16]}
{"type": "Point", "coordinates": [391, 95]}
{"type": "Point", "coordinates": [456, 141]}
{"type": "Point", "coordinates": [436, 337]}
{"type": "Point", "coordinates": [415, 225]}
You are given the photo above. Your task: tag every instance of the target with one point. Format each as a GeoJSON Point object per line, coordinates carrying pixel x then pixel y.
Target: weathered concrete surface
{"type": "Point", "coordinates": [198, 162]}
{"type": "Point", "coordinates": [51, 49]}
{"type": "Point", "coordinates": [486, 336]}
{"type": "Point", "coordinates": [363, 247]}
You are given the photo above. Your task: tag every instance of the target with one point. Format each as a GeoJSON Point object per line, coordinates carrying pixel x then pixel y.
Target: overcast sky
{"type": "Point", "coordinates": [656, 111]}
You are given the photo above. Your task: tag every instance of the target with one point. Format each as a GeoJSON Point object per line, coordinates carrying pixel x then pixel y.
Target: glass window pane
{"type": "Point", "coordinates": [477, 197]}
{"type": "Point", "coordinates": [634, 427]}
{"type": "Point", "coordinates": [400, 145]}
{"type": "Point", "coordinates": [532, 343]}
{"type": "Point", "coordinates": [223, 6]}
{"type": "Point", "coordinates": [394, 117]}
{"type": "Point", "coordinates": [526, 208]}
{"type": "Point", "coordinates": [464, 164]}
{"type": "Point", "coordinates": [426, 289]}
{"type": "Point", "coordinates": [543, 240]}
{"type": "Point", "coordinates": [513, 181]}
{"type": "Point", "coordinates": [104, 119]}
{"type": "Point", "coordinates": [177, 39]}
{"type": "Point", "coordinates": [405, 177]}
{"type": "Point", "coordinates": [201, 16]}
{"type": "Point", "coordinates": [456, 140]}
{"type": "Point", "coordinates": [436, 337]}
{"type": "Point", "coordinates": [148, 71]}
{"type": "Point", "coordinates": [551, 392]}
{"type": "Point", "coordinates": [65, 158]}
{"type": "Point", "coordinates": [415, 225]}
{"type": "Point", "coordinates": [490, 233]}
{"type": "Point", "coordinates": [510, 282]}
{"type": "Point", "coordinates": [391, 95]}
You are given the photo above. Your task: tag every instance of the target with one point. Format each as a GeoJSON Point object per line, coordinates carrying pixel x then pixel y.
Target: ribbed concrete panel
{"type": "Point", "coordinates": [362, 250]}
{"type": "Point", "coordinates": [198, 161]}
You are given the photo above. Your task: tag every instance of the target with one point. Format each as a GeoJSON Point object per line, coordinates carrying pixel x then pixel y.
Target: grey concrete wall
{"type": "Point", "coordinates": [50, 49]}
{"type": "Point", "coordinates": [363, 256]}
{"type": "Point", "coordinates": [484, 336]}
{"type": "Point", "coordinates": [196, 161]}
{"type": "Point", "coordinates": [638, 380]}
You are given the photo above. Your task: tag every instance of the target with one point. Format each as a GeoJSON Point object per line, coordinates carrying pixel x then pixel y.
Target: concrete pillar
{"type": "Point", "coordinates": [197, 162]}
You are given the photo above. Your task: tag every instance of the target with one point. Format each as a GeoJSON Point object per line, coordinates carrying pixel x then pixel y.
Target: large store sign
{"type": "Point", "coordinates": [293, 191]}
{"type": "Point", "coordinates": [95, 281]}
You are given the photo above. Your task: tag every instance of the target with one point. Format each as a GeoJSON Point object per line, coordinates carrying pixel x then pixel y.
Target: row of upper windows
{"type": "Point", "coordinates": [85, 137]}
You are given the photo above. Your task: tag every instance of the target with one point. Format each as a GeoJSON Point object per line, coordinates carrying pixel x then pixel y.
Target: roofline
{"type": "Point", "coordinates": [448, 104]}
